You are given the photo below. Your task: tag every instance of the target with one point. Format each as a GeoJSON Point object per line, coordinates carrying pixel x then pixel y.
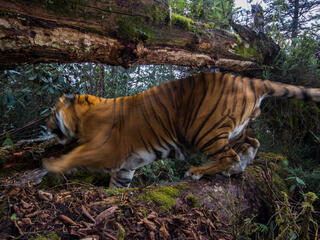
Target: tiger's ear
{"type": "Point", "coordinates": [68, 99]}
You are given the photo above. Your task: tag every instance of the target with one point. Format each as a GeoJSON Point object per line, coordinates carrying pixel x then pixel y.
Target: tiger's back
{"type": "Point", "coordinates": [208, 112]}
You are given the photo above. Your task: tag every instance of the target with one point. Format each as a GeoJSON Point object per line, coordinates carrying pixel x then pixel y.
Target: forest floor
{"type": "Point", "coordinates": [34, 205]}
{"type": "Point", "coordinates": [75, 212]}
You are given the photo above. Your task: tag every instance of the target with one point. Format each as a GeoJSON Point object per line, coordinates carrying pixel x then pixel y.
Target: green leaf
{"type": "Point", "coordinates": [14, 217]}
{"type": "Point", "coordinates": [51, 90]}
{"type": "Point", "coordinates": [44, 111]}
{"type": "Point", "coordinates": [7, 142]}
{"type": "Point", "coordinates": [32, 77]}
{"type": "Point", "coordinates": [11, 100]}
{"type": "Point", "coordinates": [292, 188]}
{"type": "Point", "coordinates": [300, 181]}
{"type": "Point", "coordinates": [262, 228]}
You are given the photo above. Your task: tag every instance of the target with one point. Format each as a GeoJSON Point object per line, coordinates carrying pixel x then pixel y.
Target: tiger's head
{"type": "Point", "coordinates": [63, 122]}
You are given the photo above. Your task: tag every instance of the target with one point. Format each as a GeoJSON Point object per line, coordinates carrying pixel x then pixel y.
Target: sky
{"type": "Point", "coordinates": [244, 4]}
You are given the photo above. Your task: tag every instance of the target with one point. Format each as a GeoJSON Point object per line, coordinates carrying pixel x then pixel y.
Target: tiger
{"type": "Point", "coordinates": [207, 113]}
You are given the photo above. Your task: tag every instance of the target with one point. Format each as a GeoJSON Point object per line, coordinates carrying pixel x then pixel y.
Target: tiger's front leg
{"type": "Point", "coordinates": [86, 155]}
{"type": "Point", "coordinates": [64, 162]}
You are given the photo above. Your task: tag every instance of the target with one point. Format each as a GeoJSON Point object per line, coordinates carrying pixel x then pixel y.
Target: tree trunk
{"type": "Point", "coordinates": [295, 20]}
{"type": "Point", "coordinates": [113, 32]}
{"type": "Point", "coordinates": [102, 81]}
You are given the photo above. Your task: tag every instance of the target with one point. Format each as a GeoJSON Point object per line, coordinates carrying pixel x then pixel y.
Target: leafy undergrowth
{"type": "Point", "coordinates": [73, 212]}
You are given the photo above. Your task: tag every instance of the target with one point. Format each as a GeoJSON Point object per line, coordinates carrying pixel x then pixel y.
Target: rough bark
{"type": "Point", "coordinates": [113, 32]}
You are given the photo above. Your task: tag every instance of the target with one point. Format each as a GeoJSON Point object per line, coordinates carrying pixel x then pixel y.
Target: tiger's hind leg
{"type": "Point", "coordinates": [247, 148]}
{"type": "Point", "coordinates": [220, 162]}
{"type": "Point", "coordinates": [121, 178]}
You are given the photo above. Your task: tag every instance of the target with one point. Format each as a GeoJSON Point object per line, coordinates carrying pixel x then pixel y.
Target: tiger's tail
{"type": "Point", "coordinates": [283, 90]}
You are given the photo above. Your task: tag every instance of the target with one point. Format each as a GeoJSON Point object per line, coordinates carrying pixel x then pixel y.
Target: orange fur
{"type": "Point", "coordinates": [208, 112]}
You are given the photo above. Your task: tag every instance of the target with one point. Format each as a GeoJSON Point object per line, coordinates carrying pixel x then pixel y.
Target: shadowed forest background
{"type": "Point", "coordinates": [286, 128]}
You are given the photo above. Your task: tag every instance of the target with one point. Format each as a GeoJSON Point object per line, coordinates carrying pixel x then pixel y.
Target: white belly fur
{"type": "Point", "coordinates": [238, 130]}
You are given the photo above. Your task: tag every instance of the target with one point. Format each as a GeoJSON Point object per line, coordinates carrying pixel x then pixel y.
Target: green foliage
{"type": "Point", "coordinates": [217, 13]}
{"type": "Point", "coordinates": [295, 222]}
{"type": "Point", "coordinates": [292, 127]}
{"type": "Point", "coordinates": [286, 220]}
{"type": "Point", "coordinates": [8, 141]}
{"type": "Point", "coordinates": [14, 217]}
{"type": "Point", "coordinates": [285, 18]}
{"type": "Point", "coordinates": [304, 180]}
{"type": "Point", "coordinates": [67, 8]}
{"type": "Point", "coordinates": [133, 29]}
{"type": "Point", "coordinates": [297, 62]}
{"type": "Point", "coordinates": [155, 14]}
{"type": "Point", "coordinates": [166, 170]}
{"type": "Point", "coordinates": [28, 92]}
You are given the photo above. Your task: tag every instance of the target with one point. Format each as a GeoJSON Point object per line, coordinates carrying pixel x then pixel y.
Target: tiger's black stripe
{"type": "Point", "coordinates": [214, 140]}
{"type": "Point", "coordinates": [210, 130]}
{"type": "Point", "coordinates": [199, 104]}
{"type": "Point", "coordinates": [252, 87]}
{"type": "Point", "coordinates": [211, 112]}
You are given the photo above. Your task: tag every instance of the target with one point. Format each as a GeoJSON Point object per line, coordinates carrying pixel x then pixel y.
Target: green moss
{"type": "Point", "coordinates": [164, 201]}
{"type": "Point", "coordinates": [238, 38]}
{"type": "Point", "coordinates": [181, 21]}
{"type": "Point", "coordinates": [87, 49]}
{"type": "Point", "coordinates": [272, 156]}
{"type": "Point", "coordinates": [182, 186]}
{"type": "Point", "coordinates": [210, 25]}
{"type": "Point", "coordinates": [193, 201]}
{"type": "Point", "coordinates": [51, 180]}
{"type": "Point", "coordinates": [265, 174]}
{"type": "Point", "coordinates": [121, 233]}
{"type": "Point", "coordinates": [80, 176]}
{"type": "Point", "coordinates": [71, 8]}
{"type": "Point", "coordinates": [50, 236]}
{"type": "Point", "coordinates": [163, 197]}
{"type": "Point", "coordinates": [134, 29]}
{"type": "Point", "coordinates": [169, 190]}
{"type": "Point", "coordinates": [279, 183]}
{"type": "Point", "coordinates": [310, 197]}
{"type": "Point", "coordinates": [247, 50]}
{"type": "Point", "coordinates": [155, 14]}
{"type": "Point", "coordinates": [118, 191]}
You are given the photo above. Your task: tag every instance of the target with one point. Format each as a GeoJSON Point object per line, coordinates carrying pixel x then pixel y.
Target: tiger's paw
{"type": "Point", "coordinates": [193, 173]}
{"type": "Point", "coordinates": [52, 165]}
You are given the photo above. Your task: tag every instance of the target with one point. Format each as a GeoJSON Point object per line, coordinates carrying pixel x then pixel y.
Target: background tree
{"type": "Point", "coordinates": [293, 17]}
{"type": "Point", "coordinates": [216, 13]}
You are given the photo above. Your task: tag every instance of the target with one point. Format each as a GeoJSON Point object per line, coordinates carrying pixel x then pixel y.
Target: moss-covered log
{"type": "Point", "coordinates": [114, 32]}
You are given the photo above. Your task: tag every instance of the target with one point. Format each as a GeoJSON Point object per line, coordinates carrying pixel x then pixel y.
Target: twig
{"type": "Point", "coordinates": [23, 127]}
{"type": "Point", "coordinates": [87, 214]}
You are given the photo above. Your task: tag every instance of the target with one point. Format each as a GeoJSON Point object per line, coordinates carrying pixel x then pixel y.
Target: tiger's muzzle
{"type": "Point", "coordinates": [56, 127]}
